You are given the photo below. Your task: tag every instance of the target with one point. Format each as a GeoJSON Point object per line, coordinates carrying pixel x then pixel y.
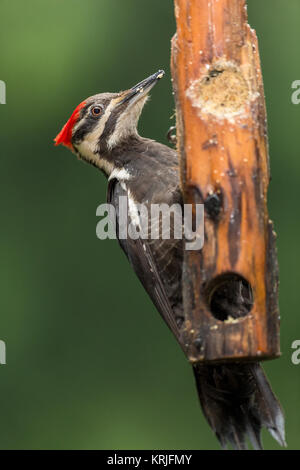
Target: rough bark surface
{"type": "Point", "coordinates": [222, 142]}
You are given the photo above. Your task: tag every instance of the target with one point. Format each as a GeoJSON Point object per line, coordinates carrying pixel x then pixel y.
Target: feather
{"type": "Point", "coordinates": [237, 401]}
{"type": "Point", "coordinates": [140, 257]}
{"type": "Point", "coordinates": [65, 135]}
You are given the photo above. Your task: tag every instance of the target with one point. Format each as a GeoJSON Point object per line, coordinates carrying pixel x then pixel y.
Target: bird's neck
{"type": "Point", "coordinates": [116, 160]}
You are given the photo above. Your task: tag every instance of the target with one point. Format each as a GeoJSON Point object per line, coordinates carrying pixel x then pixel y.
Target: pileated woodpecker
{"type": "Point", "coordinates": [236, 398]}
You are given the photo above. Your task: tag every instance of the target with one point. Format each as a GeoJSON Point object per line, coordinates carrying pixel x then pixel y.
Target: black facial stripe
{"type": "Point", "coordinates": [88, 122]}
{"type": "Point", "coordinates": [85, 128]}
{"type": "Point", "coordinates": [84, 110]}
{"type": "Point", "coordinates": [110, 126]}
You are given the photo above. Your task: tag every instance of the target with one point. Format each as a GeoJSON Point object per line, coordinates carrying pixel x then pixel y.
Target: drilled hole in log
{"type": "Point", "coordinates": [229, 297]}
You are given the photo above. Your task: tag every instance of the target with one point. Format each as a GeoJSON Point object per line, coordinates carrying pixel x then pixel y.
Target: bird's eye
{"type": "Point", "coordinates": [96, 110]}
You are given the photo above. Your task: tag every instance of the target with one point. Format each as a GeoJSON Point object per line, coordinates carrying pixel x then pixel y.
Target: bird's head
{"type": "Point", "coordinates": [104, 121]}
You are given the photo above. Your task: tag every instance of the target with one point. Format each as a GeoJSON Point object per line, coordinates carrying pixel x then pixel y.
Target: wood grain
{"type": "Point", "coordinates": [223, 147]}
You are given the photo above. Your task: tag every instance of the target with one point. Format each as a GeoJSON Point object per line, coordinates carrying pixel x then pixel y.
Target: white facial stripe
{"type": "Point", "coordinates": [97, 131]}
{"type": "Point", "coordinates": [76, 126]}
{"type": "Point", "coordinates": [86, 150]}
{"type": "Point", "coordinates": [88, 147]}
{"type": "Point", "coordinates": [126, 124]}
{"type": "Point", "coordinates": [106, 166]}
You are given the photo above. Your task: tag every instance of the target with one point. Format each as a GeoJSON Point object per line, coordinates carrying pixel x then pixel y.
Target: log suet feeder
{"type": "Point", "coordinates": [230, 286]}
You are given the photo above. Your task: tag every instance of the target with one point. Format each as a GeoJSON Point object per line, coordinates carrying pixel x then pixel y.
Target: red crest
{"type": "Point", "coordinates": [65, 135]}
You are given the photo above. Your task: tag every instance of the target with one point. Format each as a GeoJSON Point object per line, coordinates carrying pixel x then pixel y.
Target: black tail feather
{"type": "Point", "coordinates": [237, 401]}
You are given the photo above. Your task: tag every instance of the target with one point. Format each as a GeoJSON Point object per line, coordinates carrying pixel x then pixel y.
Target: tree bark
{"type": "Point", "coordinates": [230, 286]}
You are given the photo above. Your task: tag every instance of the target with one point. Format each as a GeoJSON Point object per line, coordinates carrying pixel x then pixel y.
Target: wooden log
{"type": "Point", "coordinates": [230, 287]}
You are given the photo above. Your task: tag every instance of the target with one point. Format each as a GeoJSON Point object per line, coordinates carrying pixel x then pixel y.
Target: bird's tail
{"type": "Point", "coordinates": [238, 401]}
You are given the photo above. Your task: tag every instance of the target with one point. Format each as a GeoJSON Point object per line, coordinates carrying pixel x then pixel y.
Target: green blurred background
{"type": "Point", "coordinates": [90, 364]}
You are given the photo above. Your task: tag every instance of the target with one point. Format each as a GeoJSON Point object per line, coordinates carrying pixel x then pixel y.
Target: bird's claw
{"type": "Point", "coordinates": [171, 135]}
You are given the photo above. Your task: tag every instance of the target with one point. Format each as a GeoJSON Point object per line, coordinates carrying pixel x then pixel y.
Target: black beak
{"type": "Point", "coordinates": [142, 88]}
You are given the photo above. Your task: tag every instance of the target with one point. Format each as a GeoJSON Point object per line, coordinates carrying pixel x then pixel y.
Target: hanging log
{"type": "Point", "coordinates": [230, 287]}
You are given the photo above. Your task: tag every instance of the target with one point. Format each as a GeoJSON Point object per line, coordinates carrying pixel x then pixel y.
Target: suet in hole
{"type": "Point", "coordinates": [222, 92]}
{"type": "Point", "coordinates": [229, 297]}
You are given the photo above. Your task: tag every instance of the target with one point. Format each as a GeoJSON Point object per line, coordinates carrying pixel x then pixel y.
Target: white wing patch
{"type": "Point", "coordinates": [133, 210]}
{"type": "Point", "coordinates": [120, 174]}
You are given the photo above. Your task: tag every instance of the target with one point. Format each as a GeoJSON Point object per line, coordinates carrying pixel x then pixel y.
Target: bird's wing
{"type": "Point", "coordinates": [140, 256]}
